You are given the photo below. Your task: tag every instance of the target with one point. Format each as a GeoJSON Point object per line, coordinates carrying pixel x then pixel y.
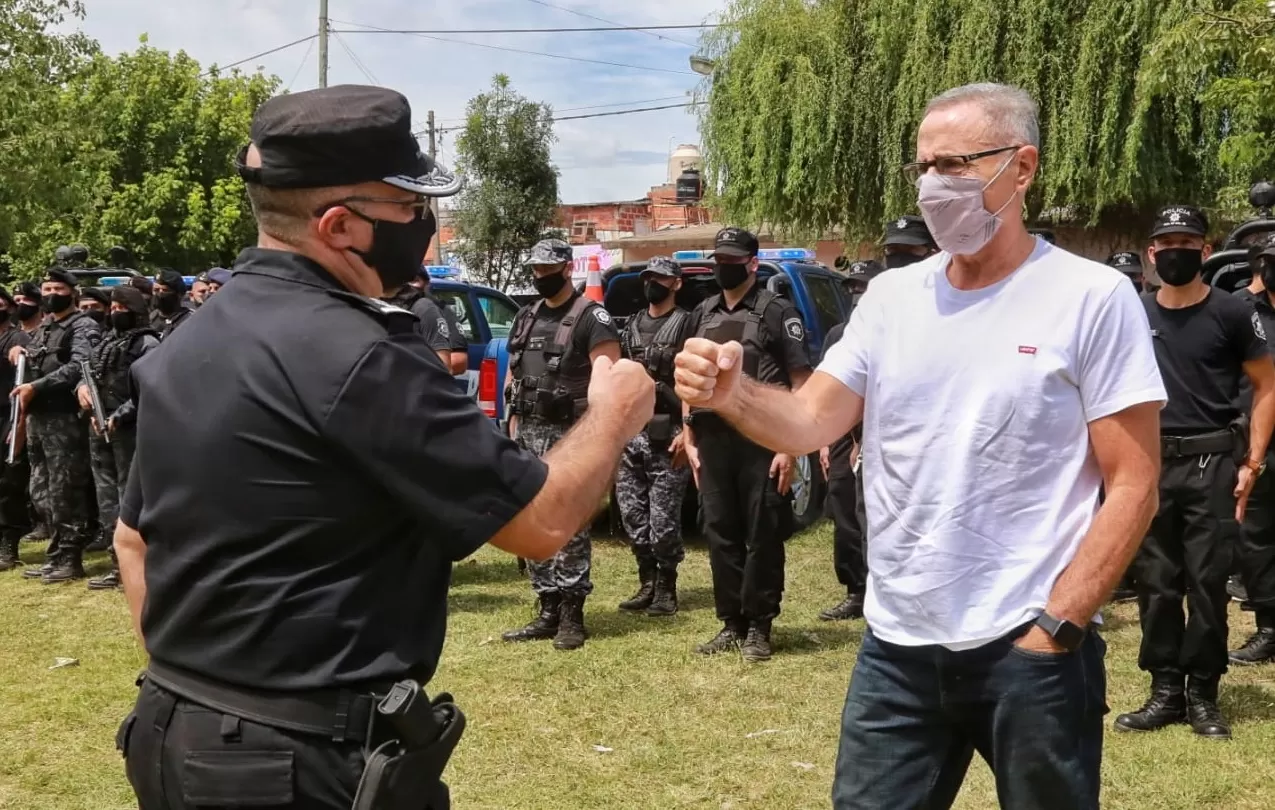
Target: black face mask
{"type": "Point", "coordinates": [27, 311]}
{"type": "Point", "coordinates": [655, 292]}
{"type": "Point", "coordinates": [550, 286]}
{"type": "Point", "coordinates": [730, 276]}
{"type": "Point", "coordinates": [167, 302]}
{"type": "Point", "coordinates": [123, 321]}
{"type": "Point", "coordinates": [1178, 266]}
{"type": "Point", "coordinates": [893, 261]}
{"type": "Point", "coordinates": [55, 304]}
{"type": "Point", "coordinates": [397, 247]}
{"type": "Point", "coordinates": [96, 314]}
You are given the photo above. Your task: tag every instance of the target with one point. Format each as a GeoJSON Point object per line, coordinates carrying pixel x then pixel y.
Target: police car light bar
{"type": "Point", "coordinates": [769, 254]}
{"type": "Point", "coordinates": [690, 255]}
{"type": "Point", "coordinates": [441, 271]}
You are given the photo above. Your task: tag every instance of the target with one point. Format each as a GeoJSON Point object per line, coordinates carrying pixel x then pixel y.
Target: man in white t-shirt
{"type": "Point", "coordinates": [1000, 382]}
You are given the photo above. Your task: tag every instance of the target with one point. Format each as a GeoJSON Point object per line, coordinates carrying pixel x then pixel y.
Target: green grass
{"type": "Point", "coordinates": [678, 724]}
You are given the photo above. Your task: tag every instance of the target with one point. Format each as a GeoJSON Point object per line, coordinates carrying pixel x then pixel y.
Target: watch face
{"type": "Point", "coordinates": [1069, 635]}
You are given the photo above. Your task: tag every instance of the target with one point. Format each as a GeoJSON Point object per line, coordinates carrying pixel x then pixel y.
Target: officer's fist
{"type": "Point", "coordinates": [622, 390]}
{"type": "Point", "coordinates": [707, 373]}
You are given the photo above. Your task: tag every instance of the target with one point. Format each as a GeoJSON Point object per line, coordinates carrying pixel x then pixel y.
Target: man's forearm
{"type": "Point", "coordinates": [130, 552]}
{"type": "Point", "coordinates": [1105, 552]}
{"type": "Point", "coordinates": [1261, 422]}
{"type": "Point", "coordinates": [776, 418]}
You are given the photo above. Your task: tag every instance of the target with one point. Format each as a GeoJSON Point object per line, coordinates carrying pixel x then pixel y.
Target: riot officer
{"type": "Point", "coordinates": [1256, 558]}
{"type": "Point", "coordinates": [26, 296]}
{"type": "Point", "coordinates": [15, 516]}
{"type": "Point", "coordinates": [147, 288]}
{"type": "Point", "coordinates": [170, 288]}
{"type": "Point", "coordinates": [907, 241]}
{"type": "Point", "coordinates": [129, 338]}
{"type": "Point", "coordinates": [95, 302]}
{"type": "Point", "coordinates": [1205, 341]}
{"type": "Point", "coordinates": [552, 346]}
{"type": "Point", "coordinates": [745, 488]}
{"type": "Point", "coordinates": [653, 474]}
{"type": "Point", "coordinates": [1131, 265]}
{"type": "Point", "coordinates": [57, 439]}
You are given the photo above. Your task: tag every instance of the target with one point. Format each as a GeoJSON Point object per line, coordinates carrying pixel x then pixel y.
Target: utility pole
{"type": "Point", "coordinates": [323, 43]}
{"type": "Point", "coordinates": [433, 201]}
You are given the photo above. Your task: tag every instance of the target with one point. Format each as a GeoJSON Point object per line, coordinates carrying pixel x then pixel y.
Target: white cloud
{"type": "Point", "coordinates": [601, 158]}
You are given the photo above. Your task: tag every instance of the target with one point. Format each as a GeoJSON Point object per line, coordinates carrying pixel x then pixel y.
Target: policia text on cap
{"type": "Point", "coordinates": [287, 564]}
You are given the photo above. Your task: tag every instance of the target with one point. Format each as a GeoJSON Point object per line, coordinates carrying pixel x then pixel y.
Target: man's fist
{"type": "Point", "coordinates": [624, 390]}
{"type": "Point", "coordinates": [707, 373]}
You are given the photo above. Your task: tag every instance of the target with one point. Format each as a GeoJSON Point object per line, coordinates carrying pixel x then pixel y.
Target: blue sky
{"type": "Point", "coordinates": [601, 158]}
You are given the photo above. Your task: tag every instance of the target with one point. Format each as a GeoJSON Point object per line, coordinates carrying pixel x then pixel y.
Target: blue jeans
{"type": "Point", "coordinates": [914, 717]}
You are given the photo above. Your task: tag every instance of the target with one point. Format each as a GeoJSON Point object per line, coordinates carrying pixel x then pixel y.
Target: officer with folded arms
{"type": "Point", "coordinates": [1205, 342]}
{"type": "Point", "coordinates": [287, 563]}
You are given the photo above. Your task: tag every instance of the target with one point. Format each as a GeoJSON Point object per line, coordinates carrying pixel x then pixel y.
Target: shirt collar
{"type": "Point", "coordinates": [744, 303]}
{"type": "Point", "coordinates": [285, 266]}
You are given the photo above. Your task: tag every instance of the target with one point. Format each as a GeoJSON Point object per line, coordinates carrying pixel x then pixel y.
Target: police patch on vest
{"type": "Point", "coordinates": [1258, 329]}
{"type": "Point", "coordinates": [442, 328]}
{"type": "Point", "coordinates": [602, 315]}
{"type": "Point", "coordinates": [794, 329]}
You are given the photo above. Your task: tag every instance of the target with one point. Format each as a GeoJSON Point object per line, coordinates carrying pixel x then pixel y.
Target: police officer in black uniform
{"type": "Point", "coordinates": [744, 488]}
{"type": "Point", "coordinates": [95, 302]}
{"type": "Point", "coordinates": [1205, 341]}
{"type": "Point", "coordinates": [1256, 556]}
{"type": "Point", "coordinates": [430, 323]}
{"type": "Point", "coordinates": [170, 289]}
{"type": "Point", "coordinates": [287, 562]}
{"type": "Point", "coordinates": [459, 342]}
{"type": "Point", "coordinates": [57, 438]}
{"type": "Point", "coordinates": [15, 514]}
{"type": "Point", "coordinates": [1131, 265]}
{"type": "Point", "coordinates": [651, 483]}
{"type": "Point", "coordinates": [552, 347]}
{"type": "Point", "coordinates": [907, 240]}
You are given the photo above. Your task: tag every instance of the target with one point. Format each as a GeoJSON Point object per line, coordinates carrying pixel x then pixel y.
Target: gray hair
{"type": "Point", "coordinates": [1011, 112]}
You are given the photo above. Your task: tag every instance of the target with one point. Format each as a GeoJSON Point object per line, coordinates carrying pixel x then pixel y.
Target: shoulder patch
{"type": "Point", "coordinates": [442, 328]}
{"type": "Point", "coordinates": [1258, 329]}
{"type": "Point", "coordinates": [602, 315]}
{"type": "Point", "coordinates": [794, 328]}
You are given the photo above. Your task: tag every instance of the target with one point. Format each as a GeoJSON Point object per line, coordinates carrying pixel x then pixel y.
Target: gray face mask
{"type": "Point", "coordinates": [954, 211]}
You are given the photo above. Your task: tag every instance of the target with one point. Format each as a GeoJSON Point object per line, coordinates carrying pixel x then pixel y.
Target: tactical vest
{"type": "Point", "coordinates": [111, 362]}
{"type": "Point", "coordinates": [657, 356]}
{"type": "Point", "coordinates": [541, 386]}
{"type": "Point", "coordinates": [748, 326]}
{"type": "Point", "coordinates": [50, 347]}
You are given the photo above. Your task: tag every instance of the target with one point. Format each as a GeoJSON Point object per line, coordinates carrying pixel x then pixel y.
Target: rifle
{"type": "Point", "coordinates": [99, 413]}
{"type": "Point", "coordinates": [15, 408]}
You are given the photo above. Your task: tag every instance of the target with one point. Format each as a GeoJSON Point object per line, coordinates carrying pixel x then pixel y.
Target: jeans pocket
{"type": "Point", "coordinates": [1041, 657]}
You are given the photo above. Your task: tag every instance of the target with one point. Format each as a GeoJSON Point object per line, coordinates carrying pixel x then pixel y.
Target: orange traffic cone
{"type": "Point", "coordinates": [593, 283]}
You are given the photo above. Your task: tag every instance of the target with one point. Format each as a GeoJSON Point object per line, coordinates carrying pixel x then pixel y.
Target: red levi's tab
{"type": "Point", "coordinates": [1026, 349]}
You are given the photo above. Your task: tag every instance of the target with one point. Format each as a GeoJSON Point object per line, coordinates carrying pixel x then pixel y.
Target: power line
{"type": "Point", "coordinates": [530, 53]}
{"type": "Point", "coordinates": [599, 115]}
{"type": "Point", "coordinates": [358, 63]}
{"type": "Point", "coordinates": [600, 19]}
{"type": "Point", "coordinates": [301, 66]}
{"type": "Point", "coordinates": [219, 68]}
{"type": "Point", "coordinates": [558, 109]}
{"type": "Point", "coordinates": [595, 29]}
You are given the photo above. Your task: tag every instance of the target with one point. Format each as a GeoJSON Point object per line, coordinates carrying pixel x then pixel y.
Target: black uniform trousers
{"type": "Point", "coordinates": [1257, 546]}
{"type": "Point", "coordinates": [1187, 555]}
{"type": "Point", "coordinates": [15, 505]}
{"type": "Point", "coordinates": [849, 553]}
{"type": "Point", "coordinates": [746, 522]}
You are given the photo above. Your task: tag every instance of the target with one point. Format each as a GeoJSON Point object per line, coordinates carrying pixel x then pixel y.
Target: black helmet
{"type": "Point", "coordinates": [119, 257]}
{"type": "Point", "coordinates": [62, 255]}
{"type": "Point", "coordinates": [79, 253]}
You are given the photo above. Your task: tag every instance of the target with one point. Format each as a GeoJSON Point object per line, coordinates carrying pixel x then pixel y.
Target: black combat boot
{"type": "Point", "coordinates": [68, 566]}
{"type": "Point", "coordinates": [109, 582]}
{"type": "Point", "coordinates": [725, 641]}
{"type": "Point", "coordinates": [38, 534]}
{"type": "Point", "coordinates": [1259, 649]}
{"type": "Point", "coordinates": [9, 553]}
{"type": "Point", "coordinates": [101, 542]}
{"type": "Point", "coordinates": [850, 608]}
{"type": "Point", "coordinates": [544, 626]}
{"type": "Point", "coordinates": [1236, 590]}
{"type": "Point", "coordinates": [571, 632]}
{"type": "Point", "coordinates": [1165, 707]}
{"type": "Point", "coordinates": [665, 601]}
{"type": "Point", "coordinates": [756, 645]}
{"type": "Point", "coordinates": [42, 571]}
{"type": "Point", "coordinates": [646, 591]}
{"type": "Point", "coordinates": [1202, 711]}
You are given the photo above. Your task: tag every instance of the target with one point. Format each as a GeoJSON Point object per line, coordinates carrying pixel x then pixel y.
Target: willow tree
{"type": "Point", "coordinates": [814, 104]}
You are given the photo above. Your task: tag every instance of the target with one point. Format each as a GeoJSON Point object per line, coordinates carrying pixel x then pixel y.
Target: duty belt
{"type": "Point", "coordinates": [1205, 444]}
{"type": "Point", "coordinates": [341, 714]}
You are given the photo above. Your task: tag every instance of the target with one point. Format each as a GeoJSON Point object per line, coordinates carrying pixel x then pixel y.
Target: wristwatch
{"type": "Point", "coordinates": [1258, 467]}
{"type": "Point", "coordinates": [1068, 635]}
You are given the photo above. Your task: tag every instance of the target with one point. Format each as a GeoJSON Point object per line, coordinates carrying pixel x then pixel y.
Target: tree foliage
{"type": "Point", "coordinates": [814, 103]}
{"type": "Point", "coordinates": [512, 187]}
{"type": "Point", "coordinates": [136, 150]}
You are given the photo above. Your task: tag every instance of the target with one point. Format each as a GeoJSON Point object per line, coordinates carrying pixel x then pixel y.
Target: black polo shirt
{"type": "Point", "coordinates": [783, 337]}
{"type": "Point", "coordinates": [306, 474]}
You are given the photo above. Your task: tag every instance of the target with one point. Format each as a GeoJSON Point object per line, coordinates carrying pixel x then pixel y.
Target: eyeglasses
{"type": "Point", "coordinates": [418, 207]}
{"type": "Point", "coordinates": [951, 165]}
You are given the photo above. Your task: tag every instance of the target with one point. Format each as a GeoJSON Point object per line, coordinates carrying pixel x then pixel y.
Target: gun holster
{"type": "Point", "coordinates": [1239, 432]}
{"type": "Point", "coordinates": [405, 773]}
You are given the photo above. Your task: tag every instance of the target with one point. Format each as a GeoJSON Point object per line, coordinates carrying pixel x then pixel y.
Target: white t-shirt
{"type": "Point", "coordinates": [978, 474]}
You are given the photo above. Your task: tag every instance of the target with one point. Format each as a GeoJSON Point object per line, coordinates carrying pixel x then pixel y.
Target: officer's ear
{"type": "Point", "coordinates": [1208, 250]}
{"type": "Point", "coordinates": [677, 285]}
{"type": "Point", "coordinates": [340, 229]}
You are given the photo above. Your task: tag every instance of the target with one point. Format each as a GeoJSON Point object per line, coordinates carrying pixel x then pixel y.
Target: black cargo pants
{"type": "Point", "coordinates": [848, 549]}
{"type": "Point", "coordinates": [1187, 556]}
{"type": "Point", "coordinates": [1257, 546]}
{"type": "Point", "coordinates": [746, 522]}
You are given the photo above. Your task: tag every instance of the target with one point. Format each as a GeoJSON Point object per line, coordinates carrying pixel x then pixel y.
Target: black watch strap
{"type": "Point", "coordinates": [1069, 636]}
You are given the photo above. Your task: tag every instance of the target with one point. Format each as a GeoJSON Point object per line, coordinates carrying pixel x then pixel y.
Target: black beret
{"type": "Point", "coordinates": [130, 297]}
{"type": "Point", "coordinates": [59, 275]}
{"type": "Point", "coordinates": [340, 136]}
{"type": "Point", "coordinates": [28, 289]}
{"type": "Point", "coordinates": [171, 279]}
{"type": "Point", "coordinates": [142, 284]}
{"type": "Point", "coordinates": [98, 294]}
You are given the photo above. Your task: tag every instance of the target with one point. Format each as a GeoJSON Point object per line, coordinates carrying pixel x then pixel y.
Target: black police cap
{"type": "Point", "coordinates": [1125, 260]}
{"type": "Point", "coordinates": [57, 274]}
{"type": "Point", "coordinates": [171, 279]}
{"type": "Point", "coordinates": [340, 136]}
{"type": "Point", "coordinates": [866, 270]}
{"type": "Point", "coordinates": [735, 242]}
{"type": "Point", "coordinates": [1180, 219]}
{"type": "Point", "coordinates": [98, 294]}
{"type": "Point", "coordinates": [910, 231]}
